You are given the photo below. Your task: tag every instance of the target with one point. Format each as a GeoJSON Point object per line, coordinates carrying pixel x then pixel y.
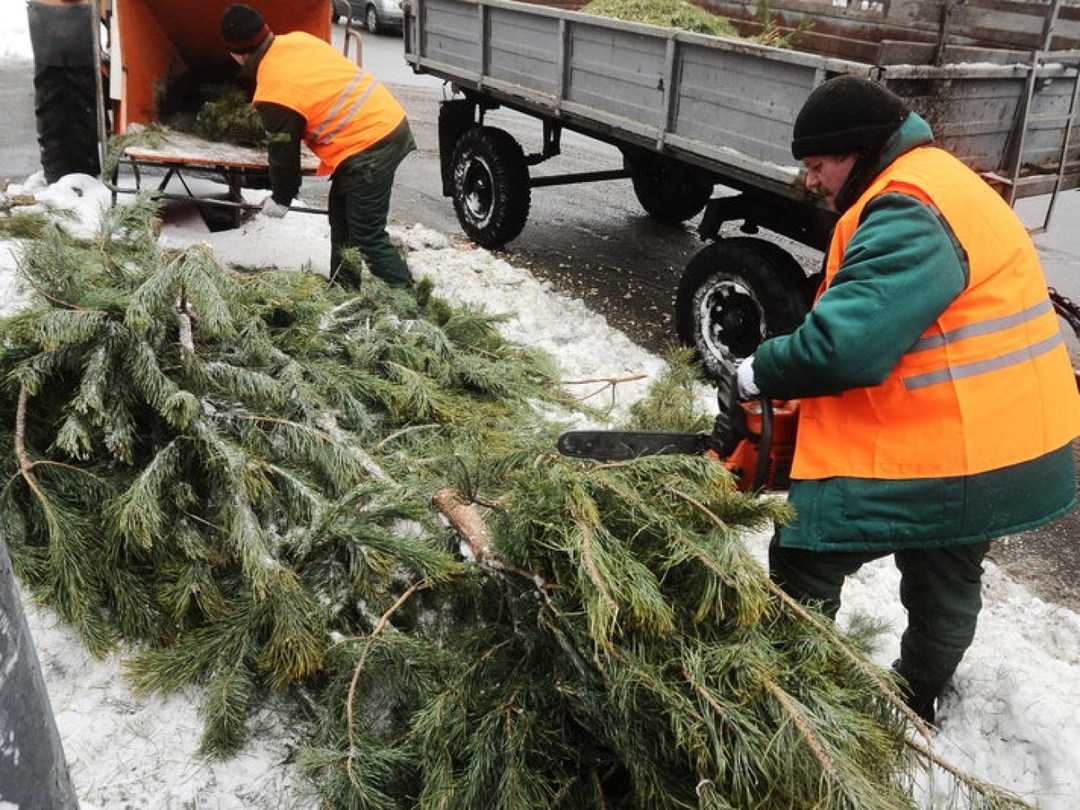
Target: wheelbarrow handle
{"type": "Point", "coordinates": [300, 209]}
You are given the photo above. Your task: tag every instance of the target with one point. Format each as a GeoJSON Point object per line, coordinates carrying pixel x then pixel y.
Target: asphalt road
{"type": "Point", "coordinates": [593, 241]}
{"type": "Point", "coordinates": [18, 140]}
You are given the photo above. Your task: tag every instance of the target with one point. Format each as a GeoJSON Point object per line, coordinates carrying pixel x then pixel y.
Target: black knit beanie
{"type": "Point", "coordinates": [243, 28]}
{"type": "Point", "coordinates": [846, 114]}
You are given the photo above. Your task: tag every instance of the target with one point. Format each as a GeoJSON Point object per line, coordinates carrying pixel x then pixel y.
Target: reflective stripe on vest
{"type": "Point", "coordinates": [989, 384]}
{"type": "Point", "coordinates": [316, 134]}
{"type": "Point", "coordinates": [1005, 360]}
{"type": "Point", "coordinates": [346, 109]}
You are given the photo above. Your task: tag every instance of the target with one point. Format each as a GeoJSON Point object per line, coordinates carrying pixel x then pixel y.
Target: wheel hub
{"type": "Point", "coordinates": [732, 320]}
{"type": "Point", "coordinates": [479, 189]}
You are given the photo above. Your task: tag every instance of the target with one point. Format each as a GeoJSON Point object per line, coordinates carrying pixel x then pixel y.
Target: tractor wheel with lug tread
{"type": "Point", "coordinates": [734, 294]}
{"type": "Point", "coordinates": [490, 184]}
{"type": "Point", "coordinates": [668, 190]}
{"type": "Point", "coordinates": [66, 111]}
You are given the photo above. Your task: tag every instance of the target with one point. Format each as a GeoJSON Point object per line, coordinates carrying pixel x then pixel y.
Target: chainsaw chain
{"type": "Point", "coordinates": [1067, 309]}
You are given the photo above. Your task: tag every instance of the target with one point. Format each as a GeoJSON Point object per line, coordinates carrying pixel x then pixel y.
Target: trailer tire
{"type": "Point", "coordinates": [734, 294]}
{"type": "Point", "coordinates": [668, 190]}
{"type": "Point", "coordinates": [490, 186]}
{"type": "Point", "coordinates": [66, 110]}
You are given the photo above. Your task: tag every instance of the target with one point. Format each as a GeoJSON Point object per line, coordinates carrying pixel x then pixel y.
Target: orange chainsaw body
{"type": "Point", "coordinates": [744, 459]}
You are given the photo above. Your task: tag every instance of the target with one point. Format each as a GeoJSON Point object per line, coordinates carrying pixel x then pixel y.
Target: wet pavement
{"type": "Point", "coordinates": [18, 136]}
{"type": "Point", "coordinates": [593, 241]}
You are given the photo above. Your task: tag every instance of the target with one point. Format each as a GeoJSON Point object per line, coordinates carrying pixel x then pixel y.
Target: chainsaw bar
{"type": "Point", "coordinates": [623, 445]}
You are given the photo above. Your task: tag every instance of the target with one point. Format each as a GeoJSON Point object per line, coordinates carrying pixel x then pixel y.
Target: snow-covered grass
{"type": "Point", "coordinates": [1013, 717]}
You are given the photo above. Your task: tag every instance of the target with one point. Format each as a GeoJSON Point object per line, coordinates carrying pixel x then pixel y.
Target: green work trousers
{"type": "Point", "coordinates": [359, 206]}
{"type": "Point", "coordinates": [940, 587]}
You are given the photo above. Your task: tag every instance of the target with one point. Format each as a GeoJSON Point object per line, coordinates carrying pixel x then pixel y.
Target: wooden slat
{"type": "Point", "coordinates": [183, 149]}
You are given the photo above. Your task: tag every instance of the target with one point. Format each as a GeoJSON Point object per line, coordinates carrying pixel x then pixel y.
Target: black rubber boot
{"type": "Point", "coordinates": [920, 695]}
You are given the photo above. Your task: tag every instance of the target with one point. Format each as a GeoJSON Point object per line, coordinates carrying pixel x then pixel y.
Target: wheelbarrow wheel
{"type": "Point", "coordinates": [734, 294]}
{"type": "Point", "coordinates": [490, 186]}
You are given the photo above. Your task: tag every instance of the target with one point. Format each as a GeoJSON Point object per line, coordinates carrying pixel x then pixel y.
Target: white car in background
{"type": "Point", "coordinates": [377, 16]}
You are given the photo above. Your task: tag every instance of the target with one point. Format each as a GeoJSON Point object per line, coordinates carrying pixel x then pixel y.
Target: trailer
{"type": "Point", "coordinates": [997, 80]}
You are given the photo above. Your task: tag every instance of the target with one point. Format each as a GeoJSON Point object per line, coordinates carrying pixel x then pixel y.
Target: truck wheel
{"type": "Point", "coordinates": [65, 106]}
{"type": "Point", "coordinates": [668, 190]}
{"type": "Point", "coordinates": [734, 294]}
{"type": "Point", "coordinates": [490, 186]}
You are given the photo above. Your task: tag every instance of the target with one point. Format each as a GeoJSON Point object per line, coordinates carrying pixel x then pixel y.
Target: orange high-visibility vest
{"type": "Point", "coordinates": [989, 384]}
{"type": "Point", "coordinates": [346, 109]}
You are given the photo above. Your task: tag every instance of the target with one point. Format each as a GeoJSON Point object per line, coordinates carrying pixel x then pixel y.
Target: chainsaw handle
{"type": "Point", "coordinates": [764, 448]}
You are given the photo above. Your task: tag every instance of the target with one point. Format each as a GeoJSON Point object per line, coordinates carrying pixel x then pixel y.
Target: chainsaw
{"type": "Point", "coordinates": [755, 440]}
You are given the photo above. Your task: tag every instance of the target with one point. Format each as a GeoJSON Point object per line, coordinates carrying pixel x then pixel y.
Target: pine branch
{"type": "Point", "coordinates": [369, 641]}
{"type": "Point", "coordinates": [831, 632]}
{"type": "Point", "coordinates": [26, 467]}
{"type": "Point", "coordinates": [187, 338]}
{"type": "Point", "coordinates": [609, 380]}
{"type": "Point", "coordinates": [803, 725]}
{"type": "Point", "coordinates": [989, 792]}
{"type": "Point", "coordinates": [465, 521]}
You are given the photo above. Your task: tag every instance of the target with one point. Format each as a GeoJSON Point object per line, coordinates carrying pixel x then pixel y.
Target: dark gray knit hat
{"type": "Point", "coordinates": [243, 28]}
{"type": "Point", "coordinates": [846, 114]}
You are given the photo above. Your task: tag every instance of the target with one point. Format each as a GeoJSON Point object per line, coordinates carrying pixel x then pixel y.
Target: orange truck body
{"type": "Point", "coordinates": [162, 39]}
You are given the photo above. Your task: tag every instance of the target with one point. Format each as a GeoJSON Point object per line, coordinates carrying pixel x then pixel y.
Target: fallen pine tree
{"type": "Point", "coordinates": [232, 472]}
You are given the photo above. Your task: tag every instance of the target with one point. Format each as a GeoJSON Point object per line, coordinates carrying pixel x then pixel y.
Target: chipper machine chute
{"type": "Point", "coordinates": [153, 58]}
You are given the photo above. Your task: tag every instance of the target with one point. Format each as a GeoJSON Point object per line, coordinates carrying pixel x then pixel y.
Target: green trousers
{"type": "Point", "coordinates": [359, 207]}
{"type": "Point", "coordinates": [940, 587]}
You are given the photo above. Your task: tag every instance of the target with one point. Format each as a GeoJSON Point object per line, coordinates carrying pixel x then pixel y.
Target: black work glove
{"type": "Point", "coordinates": [729, 428]}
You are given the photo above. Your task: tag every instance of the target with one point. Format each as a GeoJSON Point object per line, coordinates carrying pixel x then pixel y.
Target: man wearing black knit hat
{"type": "Point", "coordinates": [305, 89]}
{"type": "Point", "coordinates": [938, 404]}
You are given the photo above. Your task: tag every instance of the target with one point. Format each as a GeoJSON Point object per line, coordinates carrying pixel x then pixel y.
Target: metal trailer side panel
{"type": "Point", "coordinates": [729, 105]}
{"type": "Point", "coordinates": [976, 118]}
{"type": "Point", "coordinates": [740, 101]}
{"type": "Point", "coordinates": [523, 49]}
{"type": "Point", "coordinates": [617, 72]}
{"type": "Point", "coordinates": [450, 36]}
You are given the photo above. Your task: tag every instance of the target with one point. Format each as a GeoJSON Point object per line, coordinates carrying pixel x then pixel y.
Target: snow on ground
{"type": "Point", "coordinates": [10, 290]}
{"type": "Point", "coordinates": [14, 31]}
{"type": "Point", "coordinates": [78, 200]}
{"type": "Point", "coordinates": [136, 751]}
{"type": "Point", "coordinates": [1013, 717]}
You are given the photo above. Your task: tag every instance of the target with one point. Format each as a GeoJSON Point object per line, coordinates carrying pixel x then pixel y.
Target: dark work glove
{"type": "Point", "coordinates": [729, 428]}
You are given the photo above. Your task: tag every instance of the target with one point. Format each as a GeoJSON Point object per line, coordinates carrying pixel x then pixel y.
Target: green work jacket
{"type": "Point", "coordinates": [907, 256]}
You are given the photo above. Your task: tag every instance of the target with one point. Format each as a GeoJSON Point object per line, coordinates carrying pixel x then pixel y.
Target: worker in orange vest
{"type": "Point", "coordinates": [938, 401]}
{"type": "Point", "coordinates": [305, 89]}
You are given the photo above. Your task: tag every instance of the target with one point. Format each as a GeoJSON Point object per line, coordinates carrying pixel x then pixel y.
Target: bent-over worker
{"type": "Point", "coordinates": [938, 400]}
{"type": "Point", "coordinates": [305, 89]}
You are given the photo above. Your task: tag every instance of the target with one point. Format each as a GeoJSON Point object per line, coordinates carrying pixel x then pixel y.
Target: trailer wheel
{"type": "Point", "coordinates": [490, 186]}
{"type": "Point", "coordinates": [668, 190]}
{"type": "Point", "coordinates": [734, 294]}
{"type": "Point", "coordinates": [65, 106]}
